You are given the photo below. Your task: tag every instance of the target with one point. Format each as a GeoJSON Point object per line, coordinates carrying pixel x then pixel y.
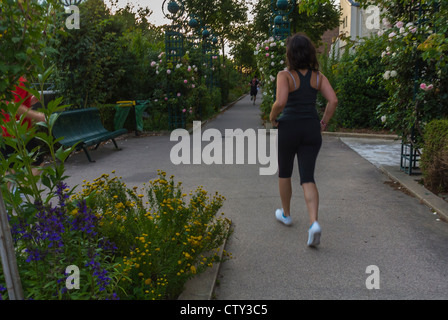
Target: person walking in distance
{"type": "Point", "coordinates": [295, 115]}
{"type": "Point", "coordinates": [254, 89]}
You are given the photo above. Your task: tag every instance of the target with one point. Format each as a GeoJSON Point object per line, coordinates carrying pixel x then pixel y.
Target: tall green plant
{"type": "Point", "coordinates": [27, 35]}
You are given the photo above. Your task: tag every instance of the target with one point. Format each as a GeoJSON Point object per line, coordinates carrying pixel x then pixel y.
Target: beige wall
{"type": "Point", "coordinates": [344, 27]}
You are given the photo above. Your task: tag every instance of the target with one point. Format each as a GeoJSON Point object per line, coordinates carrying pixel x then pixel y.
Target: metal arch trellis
{"type": "Point", "coordinates": [410, 154]}
{"type": "Point", "coordinates": [280, 26]}
{"type": "Point", "coordinates": [209, 54]}
{"type": "Point", "coordinates": [174, 50]}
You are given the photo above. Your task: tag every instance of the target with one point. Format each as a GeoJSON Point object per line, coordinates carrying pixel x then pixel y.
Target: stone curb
{"type": "Point", "coordinates": [437, 204]}
{"type": "Point", "coordinates": [202, 286]}
{"type": "Point", "coordinates": [361, 135]}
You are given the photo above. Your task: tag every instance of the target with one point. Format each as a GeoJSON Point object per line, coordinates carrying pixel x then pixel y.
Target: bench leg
{"type": "Point", "coordinates": [115, 144]}
{"type": "Point", "coordinates": [87, 154]}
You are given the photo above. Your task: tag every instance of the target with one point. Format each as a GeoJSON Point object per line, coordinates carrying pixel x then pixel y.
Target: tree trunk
{"type": "Point", "coordinates": [8, 257]}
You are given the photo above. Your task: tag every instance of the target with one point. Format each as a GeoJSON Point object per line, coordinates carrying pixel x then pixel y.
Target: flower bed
{"type": "Point", "coordinates": [126, 243]}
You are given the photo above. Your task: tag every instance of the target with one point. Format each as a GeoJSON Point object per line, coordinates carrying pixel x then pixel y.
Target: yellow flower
{"type": "Point", "coordinates": [193, 269]}
{"type": "Point", "coordinates": [148, 281]}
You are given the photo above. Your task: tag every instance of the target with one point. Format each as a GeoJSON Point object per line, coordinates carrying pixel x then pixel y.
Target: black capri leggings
{"type": "Point", "coordinates": [302, 138]}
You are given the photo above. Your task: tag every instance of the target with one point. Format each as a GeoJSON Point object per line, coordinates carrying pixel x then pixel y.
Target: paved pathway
{"type": "Point", "coordinates": [364, 220]}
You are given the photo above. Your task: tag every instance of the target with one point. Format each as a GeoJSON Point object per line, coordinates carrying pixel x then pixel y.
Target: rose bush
{"type": "Point", "coordinates": [416, 76]}
{"type": "Point", "coordinates": [271, 58]}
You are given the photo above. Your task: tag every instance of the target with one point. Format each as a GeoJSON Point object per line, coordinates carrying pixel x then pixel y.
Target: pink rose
{"type": "Point", "coordinates": [184, 110]}
{"type": "Point", "coordinates": [185, 81]}
{"type": "Point", "coordinates": [399, 24]}
{"type": "Point", "coordinates": [425, 87]}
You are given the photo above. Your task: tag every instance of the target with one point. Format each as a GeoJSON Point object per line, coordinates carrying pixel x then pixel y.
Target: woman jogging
{"type": "Point", "coordinates": [299, 126]}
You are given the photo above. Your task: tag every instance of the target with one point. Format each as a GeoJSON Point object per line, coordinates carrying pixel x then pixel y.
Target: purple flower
{"type": "Point", "coordinates": [2, 288]}
{"type": "Point", "coordinates": [85, 220]}
{"type": "Point", "coordinates": [102, 279]}
{"type": "Point", "coordinates": [34, 254]}
{"type": "Point", "coordinates": [49, 225]}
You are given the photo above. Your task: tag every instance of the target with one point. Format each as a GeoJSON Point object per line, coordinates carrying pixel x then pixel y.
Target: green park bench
{"type": "Point", "coordinates": [83, 128]}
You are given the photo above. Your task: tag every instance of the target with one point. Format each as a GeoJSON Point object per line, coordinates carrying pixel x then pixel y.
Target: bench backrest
{"type": "Point", "coordinates": [76, 124]}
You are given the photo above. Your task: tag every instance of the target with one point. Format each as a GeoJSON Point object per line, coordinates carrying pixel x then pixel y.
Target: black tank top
{"type": "Point", "coordinates": [302, 101]}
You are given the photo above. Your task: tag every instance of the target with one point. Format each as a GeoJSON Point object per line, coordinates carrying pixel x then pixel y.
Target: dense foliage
{"type": "Point", "coordinates": [357, 80]}
{"type": "Point", "coordinates": [434, 161]}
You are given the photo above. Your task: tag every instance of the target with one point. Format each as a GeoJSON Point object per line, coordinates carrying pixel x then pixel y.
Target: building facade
{"type": "Point", "coordinates": [356, 23]}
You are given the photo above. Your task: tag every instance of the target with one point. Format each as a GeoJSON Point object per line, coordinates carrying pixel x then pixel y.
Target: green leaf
{"type": "Point", "coordinates": [62, 154]}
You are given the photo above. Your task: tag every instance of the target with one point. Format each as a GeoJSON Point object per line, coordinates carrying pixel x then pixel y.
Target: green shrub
{"type": "Point", "coordinates": [434, 160]}
{"type": "Point", "coordinates": [358, 86]}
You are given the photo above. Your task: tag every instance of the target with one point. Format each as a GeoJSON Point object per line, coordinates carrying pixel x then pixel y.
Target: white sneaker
{"type": "Point", "coordinates": [282, 218]}
{"type": "Point", "coordinates": [314, 234]}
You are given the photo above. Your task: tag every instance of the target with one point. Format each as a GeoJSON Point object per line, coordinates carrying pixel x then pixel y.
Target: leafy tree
{"type": "Point", "coordinates": [88, 65]}
{"type": "Point", "coordinates": [243, 51]}
{"type": "Point", "coordinates": [27, 36]}
{"type": "Point", "coordinates": [225, 17]}
{"type": "Point", "coordinates": [310, 17]}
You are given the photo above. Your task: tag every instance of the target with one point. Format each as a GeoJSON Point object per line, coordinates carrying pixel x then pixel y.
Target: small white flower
{"type": "Point", "coordinates": [383, 119]}
{"type": "Point", "coordinates": [393, 73]}
{"type": "Point", "coordinates": [386, 75]}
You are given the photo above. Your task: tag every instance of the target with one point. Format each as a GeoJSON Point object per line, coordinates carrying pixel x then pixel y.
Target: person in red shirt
{"type": "Point", "coordinates": [31, 116]}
